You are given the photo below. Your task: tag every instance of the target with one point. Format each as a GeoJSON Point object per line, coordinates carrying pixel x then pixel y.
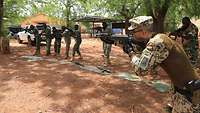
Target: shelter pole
{"type": "Point", "coordinates": [93, 28]}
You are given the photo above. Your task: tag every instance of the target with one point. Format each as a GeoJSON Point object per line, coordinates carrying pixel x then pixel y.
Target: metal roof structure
{"type": "Point", "coordinates": [92, 19]}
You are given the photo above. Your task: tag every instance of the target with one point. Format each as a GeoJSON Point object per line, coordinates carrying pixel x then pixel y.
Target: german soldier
{"type": "Point", "coordinates": [162, 50]}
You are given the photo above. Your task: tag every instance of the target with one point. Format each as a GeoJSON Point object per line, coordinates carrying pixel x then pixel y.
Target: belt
{"type": "Point", "coordinates": [185, 92]}
{"type": "Point", "coordinates": [189, 89]}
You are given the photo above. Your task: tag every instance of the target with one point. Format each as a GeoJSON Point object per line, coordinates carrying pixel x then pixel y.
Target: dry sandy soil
{"type": "Point", "coordinates": [46, 87]}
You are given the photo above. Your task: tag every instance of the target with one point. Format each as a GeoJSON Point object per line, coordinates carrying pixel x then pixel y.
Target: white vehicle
{"type": "Point", "coordinates": [24, 36]}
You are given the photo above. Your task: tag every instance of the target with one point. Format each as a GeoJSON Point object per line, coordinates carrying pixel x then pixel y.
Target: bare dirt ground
{"type": "Point", "coordinates": [45, 87]}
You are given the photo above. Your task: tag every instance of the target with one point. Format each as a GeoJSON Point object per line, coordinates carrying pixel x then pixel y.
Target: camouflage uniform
{"type": "Point", "coordinates": [67, 37]}
{"type": "Point", "coordinates": [191, 46]}
{"type": "Point", "coordinates": [163, 51]}
{"type": "Point", "coordinates": [78, 40]}
{"type": "Point", "coordinates": [107, 47]}
{"type": "Point", "coordinates": [47, 32]}
{"type": "Point", "coordinates": [57, 44]}
{"type": "Point", "coordinates": [37, 39]}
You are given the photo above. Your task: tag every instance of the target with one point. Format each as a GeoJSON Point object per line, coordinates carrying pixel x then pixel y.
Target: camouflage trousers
{"type": "Point", "coordinates": [76, 48]}
{"type": "Point", "coordinates": [106, 52]}
{"type": "Point", "coordinates": [57, 45]}
{"type": "Point", "coordinates": [191, 49]}
{"type": "Point", "coordinates": [181, 105]}
{"type": "Point", "coordinates": [67, 46]}
{"type": "Point", "coordinates": [48, 46]}
{"type": "Point", "coordinates": [37, 44]}
{"type": "Point", "coordinates": [192, 54]}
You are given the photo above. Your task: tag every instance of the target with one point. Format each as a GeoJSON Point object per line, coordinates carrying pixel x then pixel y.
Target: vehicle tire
{"type": "Point", "coordinates": [19, 41]}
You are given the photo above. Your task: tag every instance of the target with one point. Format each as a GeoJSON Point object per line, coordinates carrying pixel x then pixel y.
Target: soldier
{"type": "Point", "coordinates": [33, 30]}
{"type": "Point", "coordinates": [57, 44]}
{"type": "Point", "coordinates": [78, 40]}
{"type": "Point", "coordinates": [162, 50]}
{"type": "Point", "coordinates": [106, 47]}
{"type": "Point", "coordinates": [67, 33]}
{"type": "Point", "coordinates": [189, 34]}
{"type": "Point", "coordinates": [47, 32]}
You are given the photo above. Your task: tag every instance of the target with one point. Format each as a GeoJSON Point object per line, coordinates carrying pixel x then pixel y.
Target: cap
{"type": "Point", "coordinates": [141, 21]}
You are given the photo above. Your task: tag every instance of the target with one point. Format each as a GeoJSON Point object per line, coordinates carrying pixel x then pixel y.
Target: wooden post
{"type": "Point", "coordinates": [4, 45]}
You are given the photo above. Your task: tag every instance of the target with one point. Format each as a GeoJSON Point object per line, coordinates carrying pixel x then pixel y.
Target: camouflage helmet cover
{"type": "Point", "coordinates": [143, 22]}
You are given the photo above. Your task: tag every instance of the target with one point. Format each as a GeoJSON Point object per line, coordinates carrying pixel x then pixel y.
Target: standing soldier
{"type": "Point", "coordinates": [33, 30]}
{"type": "Point", "coordinates": [78, 40]}
{"type": "Point", "coordinates": [57, 44]}
{"type": "Point", "coordinates": [162, 50]}
{"type": "Point", "coordinates": [189, 34]}
{"type": "Point", "coordinates": [47, 32]}
{"type": "Point", "coordinates": [106, 47]}
{"type": "Point", "coordinates": [67, 33]}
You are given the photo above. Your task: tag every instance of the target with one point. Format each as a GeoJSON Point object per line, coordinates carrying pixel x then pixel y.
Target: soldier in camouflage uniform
{"type": "Point", "coordinates": [67, 33]}
{"type": "Point", "coordinates": [78, 40]}
{"type": "Point", "coordinates": [189, 34]}
{"type": "Point", "coordinates": [47, 32]}
{"type": "Point", "coordinates": [106, 47]}
{"type": "Point", "coordinates": [33, 30]}
{"type": "Point", "coordinates": [57, 44]}
{"type": "Point", "coordinates": [162, 50]}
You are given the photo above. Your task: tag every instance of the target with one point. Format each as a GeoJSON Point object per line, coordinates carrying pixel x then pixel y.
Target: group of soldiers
{"type": "Point", "coordinates": [148, 49]}
{"type": "Point", "coordinates": [57, 34]}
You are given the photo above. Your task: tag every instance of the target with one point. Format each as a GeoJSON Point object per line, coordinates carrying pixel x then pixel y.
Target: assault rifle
{"type": "Point", "coordinates": [128, 43]}
{"type": "Point", "coordinates": [179, 33]}
{"type": "Point", "coordinates": [176, 33]}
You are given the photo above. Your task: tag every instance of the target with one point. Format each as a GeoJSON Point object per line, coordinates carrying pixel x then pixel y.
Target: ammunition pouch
{"type": "Point", "coordinates": [194, 88]}
{"type": "Point", "coordinates": [191, 91]}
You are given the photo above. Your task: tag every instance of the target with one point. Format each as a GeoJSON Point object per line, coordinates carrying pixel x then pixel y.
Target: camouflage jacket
{"type": "Point", "coordinates": [67, 33]}
{"type": "Point", "coordinates": [77, 35]}
{"type": "Point", "coordinates": [190, 34]}
{"type": "Point", "coordinates": [190, 31]}
{"type": "Point", "coordinates": [34, 31]}
{"type": "Point", "coordinates": [163, 51]}
{"type": "Point", "coordinates": [47, 32]}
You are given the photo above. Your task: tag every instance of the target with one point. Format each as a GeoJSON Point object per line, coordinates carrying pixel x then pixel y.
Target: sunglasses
{"type": "Point", "coordinates": [137, 30]}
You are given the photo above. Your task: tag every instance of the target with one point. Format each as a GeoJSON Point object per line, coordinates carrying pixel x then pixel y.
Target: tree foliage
{"type": "Point", "coordinates": [166, 13]}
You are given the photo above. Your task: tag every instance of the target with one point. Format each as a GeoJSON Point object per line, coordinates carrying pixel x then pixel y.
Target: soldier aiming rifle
{"type": "Point", "coordinates": [163, 51]}
{"type": "Point", "coordinates": [189, 34]}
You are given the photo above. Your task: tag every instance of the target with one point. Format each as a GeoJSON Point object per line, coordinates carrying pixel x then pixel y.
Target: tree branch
{"type": "Point", "coordinates": [149, 8]}
{"type": "Point", "coordinates": [165, 7]}
{"type": "Point", "coordinates": [134, 9]}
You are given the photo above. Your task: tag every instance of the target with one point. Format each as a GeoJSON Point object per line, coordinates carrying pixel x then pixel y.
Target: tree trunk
{"type": "Point", "coordinates": [158, 24]}
{"type": "Point", "coordinates": [126, 25]}
{"type": "Point", "coordinates": [4, 45]}
{"type": "Point", "coordinates": [1, 17]}
{"type": "Point", "coordinates": [4, 42]}
{"type": "Point", "coordinates": [158, 12]}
